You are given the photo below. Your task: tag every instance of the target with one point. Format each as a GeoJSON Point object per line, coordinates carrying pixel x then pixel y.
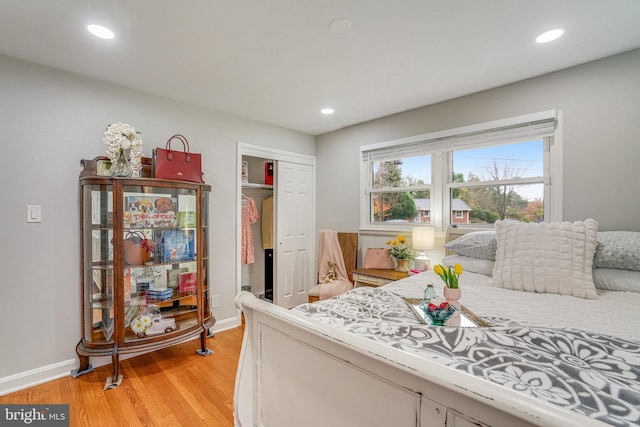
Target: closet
{"type": "Point", "coordinates": [257, 271]}
{"type": "Point", "coordinates": [276, 224]}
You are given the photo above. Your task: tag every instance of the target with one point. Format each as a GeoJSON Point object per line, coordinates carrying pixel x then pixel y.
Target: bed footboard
{"type": "Point", "coordinates": [294, 371]}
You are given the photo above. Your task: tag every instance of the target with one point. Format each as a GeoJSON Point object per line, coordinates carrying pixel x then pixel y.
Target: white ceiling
{"type": "Point", "coordinates": [277, 60]}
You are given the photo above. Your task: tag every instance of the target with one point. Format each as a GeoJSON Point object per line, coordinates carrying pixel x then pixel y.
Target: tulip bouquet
{"type": "Point", "coordinates": [448, 275]}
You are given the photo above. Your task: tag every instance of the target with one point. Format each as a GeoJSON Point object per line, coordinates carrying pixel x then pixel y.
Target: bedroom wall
{"type": "Point", "coordinates": [51, 119]}
{"type": "Point", "coordinates": [601, 104]}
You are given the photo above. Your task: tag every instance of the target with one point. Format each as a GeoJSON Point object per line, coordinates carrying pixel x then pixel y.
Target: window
{"type": "Point", "coordinates": [473, 175]}
{"type": "Point", "coordinates": [400, 189]}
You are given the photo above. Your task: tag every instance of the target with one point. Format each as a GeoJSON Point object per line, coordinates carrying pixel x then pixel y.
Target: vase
{"type": "Point", "coordinates": [452, 295]}
{"type": "Point", "coordinates": [402, 265]}
{"type": "Point", "coordinates": [429, 293]}
{"type": "Point", "coordinates": [121, 167]}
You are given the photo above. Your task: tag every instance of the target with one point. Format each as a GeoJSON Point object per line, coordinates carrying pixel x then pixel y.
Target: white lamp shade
{"type": "Point", "coordinates": [423, 238]}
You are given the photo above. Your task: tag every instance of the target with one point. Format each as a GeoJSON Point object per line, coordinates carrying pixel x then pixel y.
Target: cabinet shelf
{"type": "Point", "coordinates": [108, 265]}
{"type": "Point", "coordinates": [137, 300]}
{"type": "Point", "coordinates": [114, 293]}
{"type": "Point", "coordinates": [250, 185]}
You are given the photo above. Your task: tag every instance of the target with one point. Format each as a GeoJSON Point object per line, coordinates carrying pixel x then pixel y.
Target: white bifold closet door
{"type": "Point", "coordinates": [295, 263]}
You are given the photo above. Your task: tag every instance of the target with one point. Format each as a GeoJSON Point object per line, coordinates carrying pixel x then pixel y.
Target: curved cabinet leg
{"type": "Point", "coordinates": [114, 380]}
{"type": "Point", "coordinates": [84, 366]}
{"type": "Point", "coordinates": [204, 351]}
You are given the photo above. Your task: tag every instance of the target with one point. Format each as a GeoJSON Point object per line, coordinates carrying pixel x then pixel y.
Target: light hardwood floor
{"type": "Point", "coordinates": [174, 386]}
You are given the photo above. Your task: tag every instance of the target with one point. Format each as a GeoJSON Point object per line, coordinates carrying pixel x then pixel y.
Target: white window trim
{"type": "Point", "coordinates": [553, 208]}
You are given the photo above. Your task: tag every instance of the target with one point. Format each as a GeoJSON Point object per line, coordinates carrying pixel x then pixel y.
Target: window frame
{"type": "Point", "coordinates": [437, 145]}
{"type": "Point", "coordinates": [370, 190]}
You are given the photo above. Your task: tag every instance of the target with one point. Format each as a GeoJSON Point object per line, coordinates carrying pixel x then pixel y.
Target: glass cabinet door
{"type": "Point", "coordinates": [160, 269]}
{"type": "Point", "coordinates": [205, 252]}
{"type": "Point", "coordinates": [98, 263]}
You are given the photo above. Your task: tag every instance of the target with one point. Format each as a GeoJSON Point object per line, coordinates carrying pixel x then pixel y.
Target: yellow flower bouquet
{"type": "Point", "coordinates": [400, 249]}
{"type": "Point", "coordinates": [449, 276]}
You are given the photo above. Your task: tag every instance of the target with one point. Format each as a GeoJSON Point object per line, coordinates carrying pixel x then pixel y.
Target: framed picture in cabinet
{"type": "Point", "coordinates": [178, 245]}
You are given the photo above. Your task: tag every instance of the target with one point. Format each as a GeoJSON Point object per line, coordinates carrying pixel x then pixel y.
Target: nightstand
{"type": "Point", "coordinates": [375, 277]}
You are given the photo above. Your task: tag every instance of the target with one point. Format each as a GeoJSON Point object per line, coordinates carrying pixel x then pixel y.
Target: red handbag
{"type": "Point", "coordinates": [179, 165]}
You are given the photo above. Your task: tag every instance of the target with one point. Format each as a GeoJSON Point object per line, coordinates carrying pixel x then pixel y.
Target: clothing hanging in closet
{"type": "Point", "coordinates": [249, 216]}
{"type": "Point", "coordinates": [267, 245]}
{"type": "Point", "coordinates": [267, 223]}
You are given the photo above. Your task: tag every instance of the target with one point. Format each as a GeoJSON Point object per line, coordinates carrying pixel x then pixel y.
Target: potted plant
{"type": "Point", "coordinates": [450, 277]}
{"type": "Point", "coordinates": [401, 252]}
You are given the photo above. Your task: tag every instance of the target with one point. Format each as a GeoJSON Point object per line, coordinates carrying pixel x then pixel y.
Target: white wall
{"type": "Point", "coordinates": [601, 104]}
{"type": "Point", "coordinates": [49, 120]}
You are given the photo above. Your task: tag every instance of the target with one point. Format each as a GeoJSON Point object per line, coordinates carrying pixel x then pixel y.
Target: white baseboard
{"type": "Point", "coordinates": [33, 377]}
{"type": "Point", "coordinates": [36, 376]}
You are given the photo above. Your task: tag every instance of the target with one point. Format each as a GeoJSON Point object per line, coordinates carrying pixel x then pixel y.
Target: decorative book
{"type": "Point", "coordinates": [172, 276]}
{"type": "Point", "coordinates": [127, 284]}
{"type": "Point", "coordinates": [187, 282]}
{"type": "Point", "coordinates": [150, 211]}
{"type": "Point", "coordinates": [178, 245]}
{"type": "Point", "coordinates": [159, 294]}
{"type": "Point", "coordinates": [186, 210]}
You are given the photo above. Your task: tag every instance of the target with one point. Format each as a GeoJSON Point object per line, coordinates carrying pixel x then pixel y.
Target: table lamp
{"type": "Point", "coordinates": [422, 238]}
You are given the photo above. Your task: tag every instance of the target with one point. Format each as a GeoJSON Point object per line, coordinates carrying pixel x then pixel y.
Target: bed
{"type": "Point", "coordinates": [542, 357]}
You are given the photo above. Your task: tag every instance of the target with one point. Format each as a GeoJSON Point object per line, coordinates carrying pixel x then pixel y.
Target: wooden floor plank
{"type": "Point", "coordinates": [174, 386]}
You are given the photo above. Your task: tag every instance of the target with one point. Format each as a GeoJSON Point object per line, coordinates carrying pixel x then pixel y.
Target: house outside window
{"type": "Point", "coordinates": [473, 175]}
{"type": "Point", "coordinates": [461, 212]}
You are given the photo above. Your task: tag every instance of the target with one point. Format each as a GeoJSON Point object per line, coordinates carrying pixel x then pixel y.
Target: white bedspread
{"type": "Point", "coordinates": [579, 354]}
{"type": "Point", "coordinates": [612, 313]}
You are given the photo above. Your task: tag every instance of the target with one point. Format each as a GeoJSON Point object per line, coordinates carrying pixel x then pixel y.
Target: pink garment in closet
{"type": "Point", "coordinates": [249, 216]}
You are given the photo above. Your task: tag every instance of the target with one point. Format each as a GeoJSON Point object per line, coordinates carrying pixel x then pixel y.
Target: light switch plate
{"type": "Point", "coordinates": [34, 213]}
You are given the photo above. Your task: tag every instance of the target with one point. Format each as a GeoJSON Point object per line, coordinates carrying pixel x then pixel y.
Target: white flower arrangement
{"type": "Point", "coordinates": [120, 137]}
{"type": "Point", "coordinates": [140, 324]}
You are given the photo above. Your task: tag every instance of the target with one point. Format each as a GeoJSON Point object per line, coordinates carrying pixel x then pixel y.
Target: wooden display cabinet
{"type": "Point", "coordinates": [140, 295]}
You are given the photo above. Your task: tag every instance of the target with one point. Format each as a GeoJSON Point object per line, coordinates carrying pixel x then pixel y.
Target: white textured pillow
{"type": "Point", "coordinates": [553, 258]}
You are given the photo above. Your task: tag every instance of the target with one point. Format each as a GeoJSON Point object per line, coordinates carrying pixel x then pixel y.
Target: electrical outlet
{"type": "Point", "coordinates": [215, 301]}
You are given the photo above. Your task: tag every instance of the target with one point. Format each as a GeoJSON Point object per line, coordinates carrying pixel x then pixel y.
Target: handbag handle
{"type": "Point", "coordinates": [144, 243]}
{"type": "Point", "coordinates": [185, 147]}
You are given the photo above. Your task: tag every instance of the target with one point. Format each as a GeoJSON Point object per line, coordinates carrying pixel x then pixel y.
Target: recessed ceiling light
{"type": "Point", "coordinates": [550, 35]}
{"type": "Point", "coordinates": [100, 31]}
{"type": "Point", "coordinates": [327, 111]}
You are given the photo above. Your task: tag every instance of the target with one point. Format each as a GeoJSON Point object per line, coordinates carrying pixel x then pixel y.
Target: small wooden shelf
{"type": "Point", "coordinates": [257, 186]}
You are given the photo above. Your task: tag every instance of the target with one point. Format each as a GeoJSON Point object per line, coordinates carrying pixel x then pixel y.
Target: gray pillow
{"type": "Point", "coordinates": [472, 265]}
{"type": "Point", "coordinates": [478, 244]}
{"type": "Point", "coordinates": [618, 249]}
{"type": "Point", "coordinates": [612, 279]}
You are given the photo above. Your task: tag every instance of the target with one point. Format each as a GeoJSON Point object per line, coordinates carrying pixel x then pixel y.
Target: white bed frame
{"type": "Point", "coordinates": [294, 371]}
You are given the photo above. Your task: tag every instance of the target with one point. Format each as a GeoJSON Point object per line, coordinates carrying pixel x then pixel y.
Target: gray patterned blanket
{"type": "Point", "coordinates": [592, 374]}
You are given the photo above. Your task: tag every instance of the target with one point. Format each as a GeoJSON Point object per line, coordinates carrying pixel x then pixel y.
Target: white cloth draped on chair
{"type": "Point", "coordinates": [332, 273]}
